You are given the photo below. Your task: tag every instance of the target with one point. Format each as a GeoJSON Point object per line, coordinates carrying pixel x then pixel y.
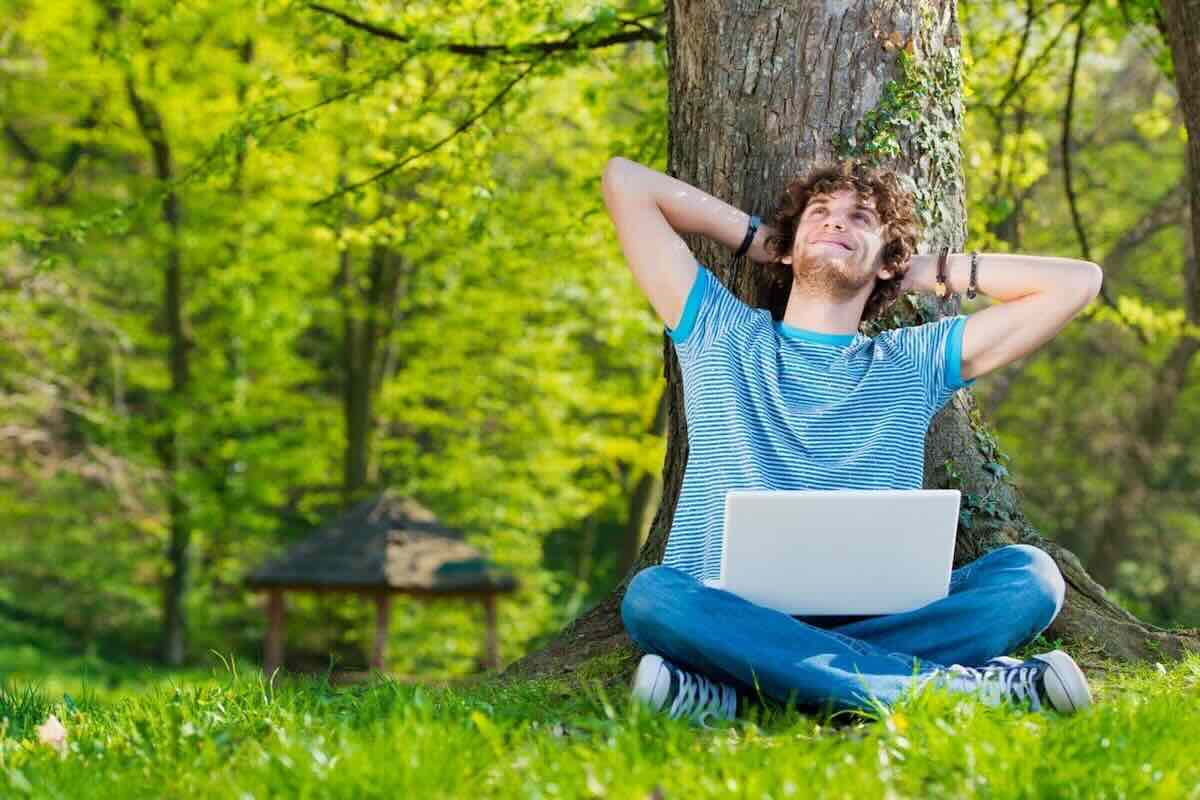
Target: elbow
{"type": "Point", "coordinates": [613, 170]}
{"type": "Point", "coordinates": [1094, 280]}
{"type": "Point", "coordinates": [621, 178]}
{"type": "Point", "coordinates": [610, 179]}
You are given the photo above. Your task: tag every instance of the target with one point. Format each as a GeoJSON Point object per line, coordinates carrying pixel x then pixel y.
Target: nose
{"type": "Point", "coordinates": [835, 224]}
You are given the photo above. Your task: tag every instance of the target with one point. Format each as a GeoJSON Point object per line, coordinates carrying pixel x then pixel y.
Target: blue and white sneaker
{"type": "Point", "coordinates": [1050, 679]}
{"type": "Point", "coordinates": [665, 687]}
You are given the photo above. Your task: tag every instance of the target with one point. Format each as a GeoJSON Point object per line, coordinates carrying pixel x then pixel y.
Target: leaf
{"type": "Point", "coordinates": [997, 469]}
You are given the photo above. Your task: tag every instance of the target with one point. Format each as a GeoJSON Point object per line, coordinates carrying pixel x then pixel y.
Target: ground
{"type": "Point", "coordinates": [228, 732]}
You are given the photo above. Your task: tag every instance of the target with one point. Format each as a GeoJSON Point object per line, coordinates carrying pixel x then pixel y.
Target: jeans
{"type": "Point", "coordinates": [996, 603]}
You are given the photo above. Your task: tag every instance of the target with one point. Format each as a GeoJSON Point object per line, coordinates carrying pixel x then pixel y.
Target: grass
{"type": "Point", "coordinates": [235, 734]}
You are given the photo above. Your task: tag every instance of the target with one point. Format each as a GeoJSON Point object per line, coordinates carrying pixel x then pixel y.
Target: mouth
{"type": "Point", "coordinates": [845, 247]}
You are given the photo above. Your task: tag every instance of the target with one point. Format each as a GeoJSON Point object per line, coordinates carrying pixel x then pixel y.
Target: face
{"type": "Point", "coordinates": [838, 243]}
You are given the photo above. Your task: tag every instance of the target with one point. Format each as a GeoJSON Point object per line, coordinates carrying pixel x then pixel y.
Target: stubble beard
{"type": "Point", "coordinates": [828, 276]}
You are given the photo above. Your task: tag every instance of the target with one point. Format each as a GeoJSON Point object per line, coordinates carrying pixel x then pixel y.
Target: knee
{"type": "Point", "coordinates": [646, 599]}
{"type": "Point", "coordinates": [1046, 587]}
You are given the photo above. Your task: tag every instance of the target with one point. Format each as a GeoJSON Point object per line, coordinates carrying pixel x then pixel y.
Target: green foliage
{"type": "Point", "coordinates": [912, 110]}
{"type": "Point", "coordinates": [1072, 413]}
{"type": "Point", "coordinates": [520, 374]}
{"type": "Point", "coordinates": [515, 389]}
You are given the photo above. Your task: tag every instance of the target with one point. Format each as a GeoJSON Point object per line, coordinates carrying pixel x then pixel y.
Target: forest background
{"type": "Point", "coordinates": [261, 260]}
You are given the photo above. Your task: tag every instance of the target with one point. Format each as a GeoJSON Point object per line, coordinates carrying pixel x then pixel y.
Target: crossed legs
{"type": "Point", "coordinates": [996, 603]}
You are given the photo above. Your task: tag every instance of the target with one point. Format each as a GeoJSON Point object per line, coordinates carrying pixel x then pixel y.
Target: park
{"type": "Point", "coordinates": [378, 379]}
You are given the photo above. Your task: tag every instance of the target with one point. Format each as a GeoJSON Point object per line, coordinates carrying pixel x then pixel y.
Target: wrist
{"type": "Point", "coordinates": [758, 248]}
{"type": "Point", "coordinates": [922, 273]}
{"type": "Point", "coordinates": [920, 276]}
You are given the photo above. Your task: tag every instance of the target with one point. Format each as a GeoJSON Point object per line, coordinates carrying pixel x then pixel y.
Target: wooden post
{"type": "Point", "coordinates": [492, 643]}
{"type": "Point", "coordinates": [383, 608]}
{"type": "Point", "coordinates": [273, 646]}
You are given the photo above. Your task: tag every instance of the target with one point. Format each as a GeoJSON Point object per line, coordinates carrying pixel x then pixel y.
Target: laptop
{"type": "Point", "coordinates": [839, 552]}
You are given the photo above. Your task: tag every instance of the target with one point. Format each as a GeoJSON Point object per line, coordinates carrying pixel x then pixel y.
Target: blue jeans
{"type": "Point", "coordinates": [996, 603]}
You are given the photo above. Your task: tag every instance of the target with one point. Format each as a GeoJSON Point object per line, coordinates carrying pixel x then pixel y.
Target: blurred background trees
{"type": "Point", "coordinates": [261, 259]}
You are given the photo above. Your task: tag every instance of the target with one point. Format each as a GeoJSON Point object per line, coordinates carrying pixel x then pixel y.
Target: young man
{"type": "Point", "coordinates": [809, 402]}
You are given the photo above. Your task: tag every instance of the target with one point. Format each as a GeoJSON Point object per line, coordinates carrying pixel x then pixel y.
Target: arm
{"type": "Point", "coordinates": [1039, 295]}
{"type": "Point", "coordinates": [650, 210]}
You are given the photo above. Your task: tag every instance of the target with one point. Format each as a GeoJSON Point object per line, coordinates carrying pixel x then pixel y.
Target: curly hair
{"type": "Point", "coordinates": [893, 203]}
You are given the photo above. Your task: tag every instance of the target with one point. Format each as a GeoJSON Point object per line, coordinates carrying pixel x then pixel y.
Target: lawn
{"type": "Point", "coordinates": [231, 733]}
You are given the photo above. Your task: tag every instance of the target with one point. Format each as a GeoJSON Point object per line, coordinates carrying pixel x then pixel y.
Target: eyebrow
{"type": "Point", "coordinates": [824, 202]}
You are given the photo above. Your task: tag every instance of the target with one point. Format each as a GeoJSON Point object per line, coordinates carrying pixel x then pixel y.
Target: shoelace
{"type": "Point", "coordinates": [995, 684]}
{"type": "Point", "coordinates": [699, 698]}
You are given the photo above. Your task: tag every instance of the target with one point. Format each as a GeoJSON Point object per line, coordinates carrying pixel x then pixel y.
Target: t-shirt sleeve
{"type": "Point", "coordinates": [709, 314]}
{"type": "Point", "coordinates": [936, 347]}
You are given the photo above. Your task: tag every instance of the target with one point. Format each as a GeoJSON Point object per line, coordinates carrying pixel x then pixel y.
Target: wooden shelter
{"type": "Point", "coordinates": [384, 546]}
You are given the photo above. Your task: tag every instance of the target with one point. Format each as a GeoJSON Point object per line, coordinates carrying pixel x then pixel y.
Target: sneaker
{"type": "Point", "coordinates": [1004, 661]}
{"type": "Point", "coordinates": [1051, 680]}
{"type": "Point", "coordinates": [663, 686]}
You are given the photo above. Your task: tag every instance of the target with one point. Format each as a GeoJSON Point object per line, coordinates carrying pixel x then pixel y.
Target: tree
{"type": "Point", "coordinates": [760, 95]}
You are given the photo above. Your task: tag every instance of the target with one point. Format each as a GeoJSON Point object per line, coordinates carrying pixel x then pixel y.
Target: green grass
{"type": "Point", "coordinates": [233, 734]}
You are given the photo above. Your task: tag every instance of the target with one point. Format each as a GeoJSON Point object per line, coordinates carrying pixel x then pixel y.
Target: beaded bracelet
{"type": "Point", "coordinates": [941, 272]}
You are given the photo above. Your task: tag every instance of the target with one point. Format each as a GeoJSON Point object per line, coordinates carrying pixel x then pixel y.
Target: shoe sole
{"type": "Point", "coordinates": [651, 682]}
{"type": "Point", "coordinates": [1066, 686]}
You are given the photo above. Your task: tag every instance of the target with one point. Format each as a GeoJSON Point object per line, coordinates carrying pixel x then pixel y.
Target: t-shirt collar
{"type": "Point", "coordinates": [792, 332]}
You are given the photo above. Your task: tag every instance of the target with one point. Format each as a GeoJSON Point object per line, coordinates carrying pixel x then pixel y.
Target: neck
{"type": "Point", "coordinates": [825, 314]}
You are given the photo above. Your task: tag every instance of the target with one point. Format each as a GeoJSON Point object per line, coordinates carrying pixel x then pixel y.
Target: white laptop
{"type": "Point", "coordinates": [841, 552]}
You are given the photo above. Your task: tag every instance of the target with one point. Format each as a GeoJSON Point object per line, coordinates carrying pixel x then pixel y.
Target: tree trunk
{"type": "Point", "coordinates": [758, 95]}
{"type": "Point", "coordinates": [641, 498]}
{"type": "Point", "coordinates": [367, 319]}
{"type": "Point", "coordinates": [174, 632]}
{"type": "Point", "coordinates": [368, 316]}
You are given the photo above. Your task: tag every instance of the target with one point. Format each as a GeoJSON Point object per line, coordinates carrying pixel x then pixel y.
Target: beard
{"type": "Point", "coordinates": [825, 275]}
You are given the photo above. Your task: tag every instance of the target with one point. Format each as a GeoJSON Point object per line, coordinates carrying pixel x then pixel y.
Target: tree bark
{"type": "Point", "coordinates": [760, 94]}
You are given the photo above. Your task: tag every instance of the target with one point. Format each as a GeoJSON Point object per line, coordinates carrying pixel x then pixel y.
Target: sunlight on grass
{"type": "Point", "coordinates": [242, 736]}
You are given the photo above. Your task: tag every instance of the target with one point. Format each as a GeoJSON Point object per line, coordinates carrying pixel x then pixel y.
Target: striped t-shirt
{"type": "Point", "coordinates": [771, 406]}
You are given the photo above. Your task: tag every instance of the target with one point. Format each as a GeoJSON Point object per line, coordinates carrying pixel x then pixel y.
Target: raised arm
{"type": "Point", "coordinates": [650, 210]}
{"type": "Point", "coordinates": [1038, 296]}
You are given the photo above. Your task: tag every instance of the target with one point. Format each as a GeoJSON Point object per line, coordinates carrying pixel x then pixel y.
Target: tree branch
{"type": "Point", "coordinates": [24, 149]}
{"type": "Point", "coordinates": [462, 126]}
{"type": "Point", "coordinates": [1065, 144]}
{"type": "Point", "coordinates": [1050, 47]}
{"type": "Point", "coordinates": [1170, 209]}
{"type": "Point", "coordinates": [640, 34]}
{"type": "Point", "coordinates": [1065, 149]}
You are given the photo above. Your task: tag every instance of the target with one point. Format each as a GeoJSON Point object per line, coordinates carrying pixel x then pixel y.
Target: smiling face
{"type": "Point", "coordinates": [838, 243]}
{"type": "Point", "coordinates": [870, 248]}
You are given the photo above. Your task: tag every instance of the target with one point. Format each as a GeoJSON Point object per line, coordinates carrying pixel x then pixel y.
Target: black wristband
{"type": "Point", "coordinates": [972, 286]}
{"type": "Point", "coordinates": [750, 230]}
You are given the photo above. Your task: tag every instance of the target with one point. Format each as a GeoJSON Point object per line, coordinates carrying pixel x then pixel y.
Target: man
{"type": "Point", "coordinates": [809, 402]}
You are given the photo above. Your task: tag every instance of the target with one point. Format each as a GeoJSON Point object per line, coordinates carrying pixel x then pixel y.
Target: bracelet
{"type": "Point", "coordinates": [972, 286]}
{"type": "Point", "coordinates": [754, 223]}
{"type": "Point", "coordinates": [941, 287]}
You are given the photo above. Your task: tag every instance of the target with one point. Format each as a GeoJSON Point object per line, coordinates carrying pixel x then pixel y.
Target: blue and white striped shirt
{"type": "Point", "coordinates": [771, 406]}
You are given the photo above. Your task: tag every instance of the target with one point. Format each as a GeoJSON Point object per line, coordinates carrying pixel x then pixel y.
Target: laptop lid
{"type": "Point", "coordinates": [846, 551]}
